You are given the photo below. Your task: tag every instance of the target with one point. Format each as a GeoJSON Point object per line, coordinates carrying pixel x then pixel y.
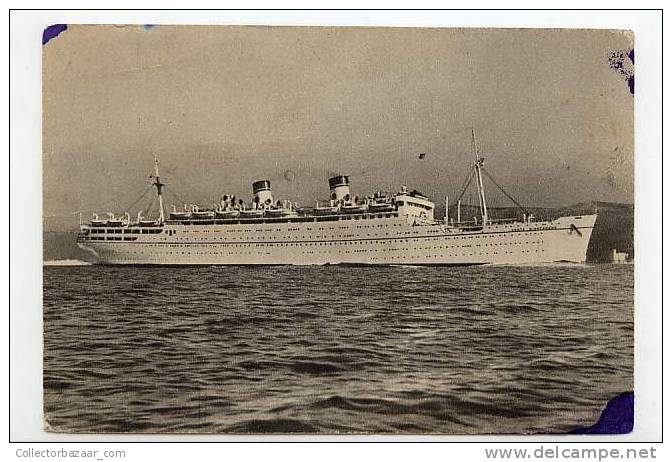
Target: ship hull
{"type": "Point", "coordinates": [379, 241]}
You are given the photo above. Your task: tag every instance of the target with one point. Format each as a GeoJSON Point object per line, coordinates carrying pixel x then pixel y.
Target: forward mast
{"type": "Point", "coordinates": [478, 164]}
{"type": "Point", "coordinates": [159, 189]}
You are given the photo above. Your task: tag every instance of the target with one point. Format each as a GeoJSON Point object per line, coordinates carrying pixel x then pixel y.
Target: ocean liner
{"type": "Point", "coordinates": [379, 229]}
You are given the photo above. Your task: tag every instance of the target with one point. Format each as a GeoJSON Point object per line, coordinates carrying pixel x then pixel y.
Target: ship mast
{"type": "Point", "coordinates": [479, 179]}
{"type": "Point", "coordinates": [159, 187]}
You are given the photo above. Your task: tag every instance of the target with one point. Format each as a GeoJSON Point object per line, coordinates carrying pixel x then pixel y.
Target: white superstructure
{"type": "Point", "coordinates": [379, 229]}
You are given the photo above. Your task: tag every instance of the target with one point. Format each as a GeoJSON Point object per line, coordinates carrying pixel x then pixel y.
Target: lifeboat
{"type": "Point", "coordinates": [252, 213]}
{"type": "Point", "coordinates": [280, 209]}
{"type": "Point", "coordinates": [330, 209]}
{"type": "Point", "coordinates": [225, 214]}
{"type": "Point", "coordinates": [353, 208]}
{"type": "Point", "coordinates": [326, 210]}
{"type": "Point", "coordinates": [175, 215]}
{"type": "Point", "coordinates": [112, 221]}
{"type": "Point", "coordinates": [202, 215]}
{"type": "Point", "coordinates": [95, 221]}
{"type": "Point", "coordinates": [305, 211]}
{"type": "Point", "coordinates": [180, 215]}
{"type": "Point", "coordinates": [280, 212]}
{"type": "Point", "coordinates": [378, 207]}
{"type": "Point", "coordinates": [274, 213]}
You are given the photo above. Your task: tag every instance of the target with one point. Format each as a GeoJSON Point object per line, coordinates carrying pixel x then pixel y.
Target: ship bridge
{"type": "Point", "coordinates": [414, 204]}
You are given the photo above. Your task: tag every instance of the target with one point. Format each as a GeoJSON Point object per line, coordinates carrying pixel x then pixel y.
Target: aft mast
{"type": "Point", "coordinates": [159, 186]}
{"type": "Point", "coordinates": [479, 179]}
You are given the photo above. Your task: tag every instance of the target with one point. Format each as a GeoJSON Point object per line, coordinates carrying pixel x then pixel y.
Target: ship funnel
{"type": "Point", "coordinates": [262, 192]}
{"type": "Point", "coordinates": [340, 188]}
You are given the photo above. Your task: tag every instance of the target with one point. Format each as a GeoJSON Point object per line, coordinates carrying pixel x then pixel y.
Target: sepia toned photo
{"type": "Point", "coordinates": [338, 230]}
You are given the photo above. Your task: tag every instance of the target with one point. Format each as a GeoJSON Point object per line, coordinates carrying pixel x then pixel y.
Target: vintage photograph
{"type": "Point", "coordinates": [337, 230]}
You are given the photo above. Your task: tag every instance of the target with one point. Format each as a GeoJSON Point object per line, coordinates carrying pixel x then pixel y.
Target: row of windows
{"type": "Point", "coordinates": [404, 233]}
{"type": "Point", "coordinates": [173, 231]}
{"type": "Point", "coordinates": [286, 220]}
{"type": "Point", "coordinates": [112, 238]}
{"type": "Point", "coordinates": [363, 237]}
{"type": "Point", "coordinates": [126, 231]}
{"type": "Point", "coordinates": [414, 204]}
{"type": "Point", "coordinates": [327, 252]}
{"type": "Point", "coordinates": [263, 230]}
{"type": "Point", "coordinates": [329, 244]}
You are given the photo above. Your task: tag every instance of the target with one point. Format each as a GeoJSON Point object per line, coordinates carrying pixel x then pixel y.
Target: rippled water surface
{"type": "Point", "coordinates": [335, 349]}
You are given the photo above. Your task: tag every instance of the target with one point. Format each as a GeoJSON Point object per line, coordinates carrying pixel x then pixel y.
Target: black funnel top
{"type": "Point", "coordinates": [261, 185]}
{"type": "Point", "coordinates": [340, 180]}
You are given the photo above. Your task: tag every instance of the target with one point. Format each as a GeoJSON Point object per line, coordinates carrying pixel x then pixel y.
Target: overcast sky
{"type": "Point", "coordinates": [224, 106]}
